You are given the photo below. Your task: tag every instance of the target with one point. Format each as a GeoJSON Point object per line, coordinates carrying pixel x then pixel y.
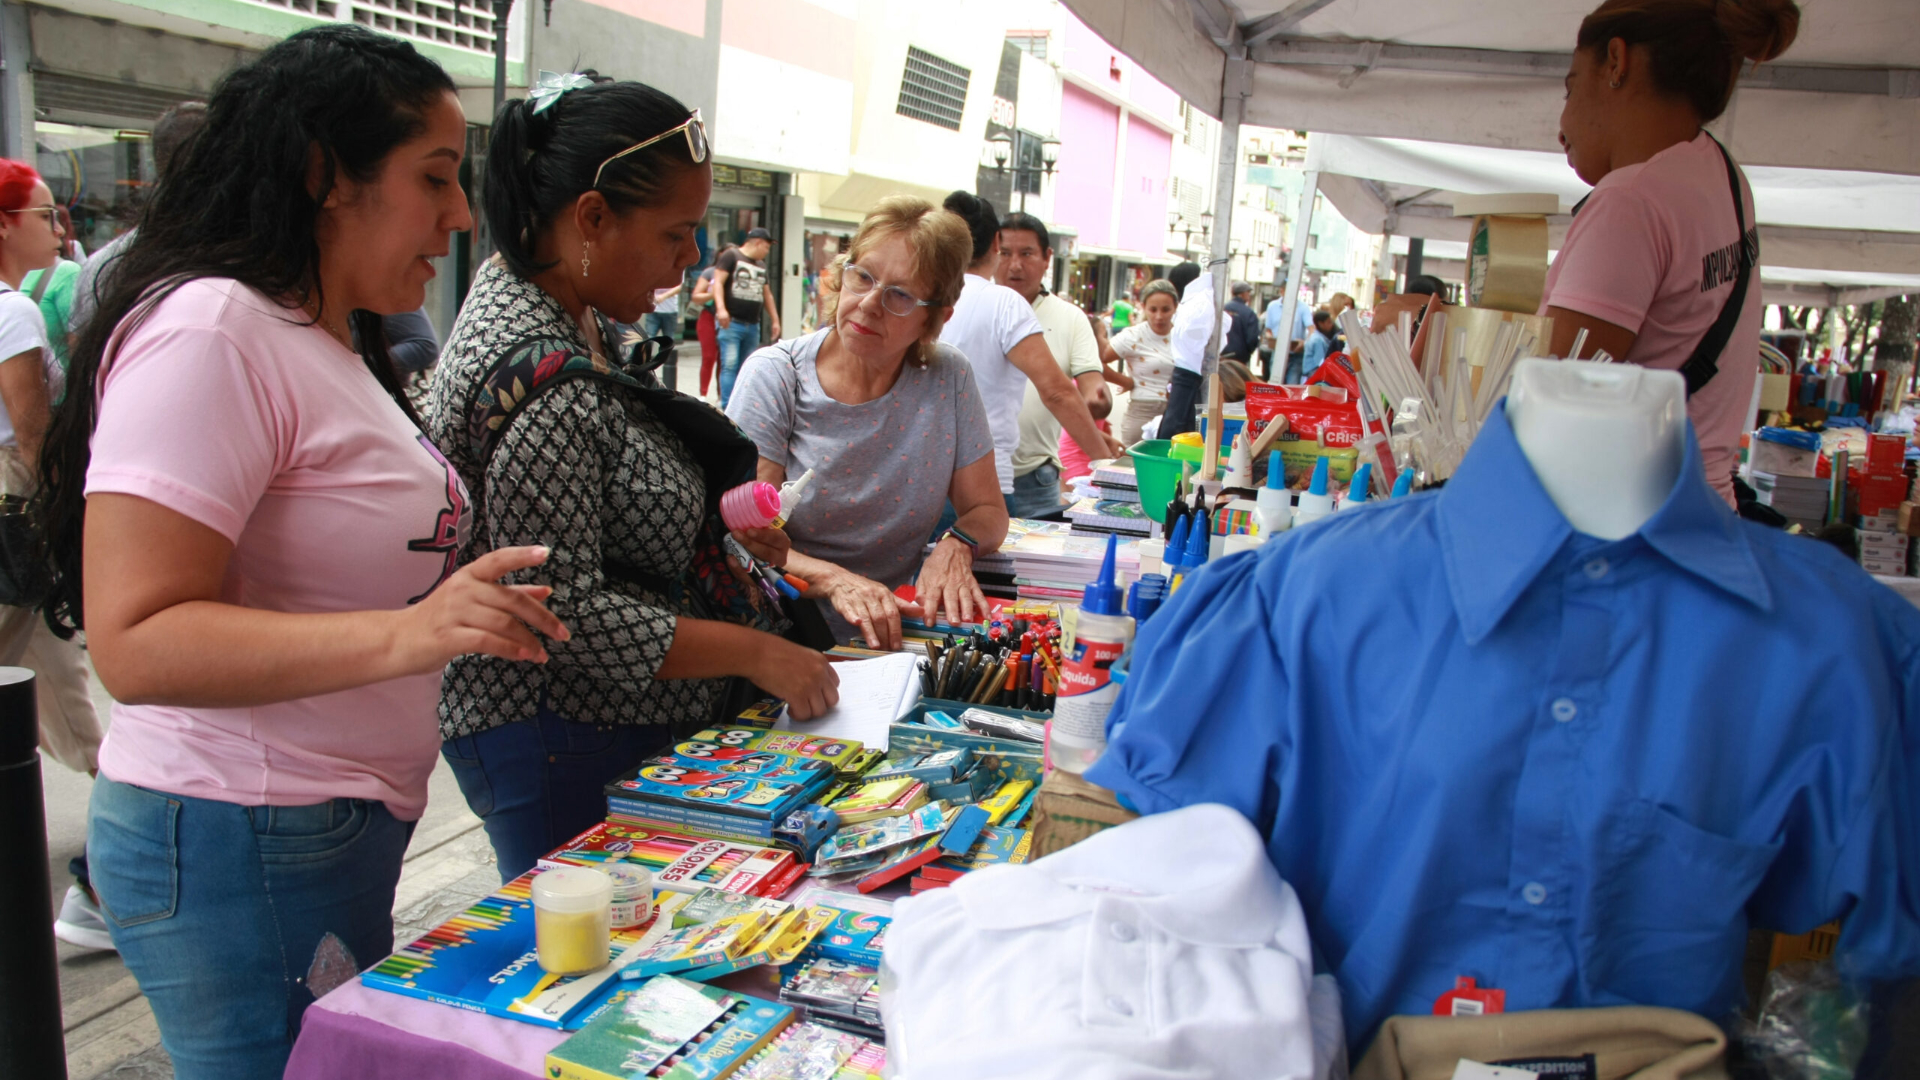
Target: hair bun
{"type": "Point", "coordinates": [1760, 30]}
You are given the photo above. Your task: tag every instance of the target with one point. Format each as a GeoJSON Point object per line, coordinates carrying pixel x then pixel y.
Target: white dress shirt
{"type": "Point", "coordinates": [1166, 947]}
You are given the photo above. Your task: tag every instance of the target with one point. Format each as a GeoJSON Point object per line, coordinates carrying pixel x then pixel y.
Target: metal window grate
{"type": "Point", "coordinates": [933, 90]}
{"type": "Point", "coordinates": [459, 24]}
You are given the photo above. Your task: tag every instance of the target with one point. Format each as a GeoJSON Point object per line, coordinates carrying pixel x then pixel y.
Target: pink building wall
{"type": "Point", "coordinates": [1143, 190]}
{"type": "Point", "coordinates": [1083, 197]}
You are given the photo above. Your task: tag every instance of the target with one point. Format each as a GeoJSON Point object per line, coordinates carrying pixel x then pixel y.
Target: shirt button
{"type": "Point", "coordinates": [1120, 1006]}
{"type": "Point", "coordinates": [1596, 568]}
{"type": "Point", "coordinates": [1564, 709]}
{"type": "Point", "coordinates": [1121, 932]}
{"type": "Point", "coordinates": [1534, 893]}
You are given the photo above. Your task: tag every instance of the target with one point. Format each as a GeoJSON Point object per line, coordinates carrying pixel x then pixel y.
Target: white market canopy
{"type": "Point", "coordinates": [1838, 230]}
{"type": "Point", "coordinates": [1488, 72]}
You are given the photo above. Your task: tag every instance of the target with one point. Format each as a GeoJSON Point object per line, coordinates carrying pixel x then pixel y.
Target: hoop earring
{"type": "Point", "coordinates": [1615, 84]}
{"type": "Point", "coordinates": [583, 260]}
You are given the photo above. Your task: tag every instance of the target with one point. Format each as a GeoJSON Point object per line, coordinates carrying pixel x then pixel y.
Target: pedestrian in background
{"type": "Point", "coordinates": [740, 294]}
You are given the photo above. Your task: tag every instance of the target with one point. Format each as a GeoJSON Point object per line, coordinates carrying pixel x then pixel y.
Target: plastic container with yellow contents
{"type": "Point", "coordinates": [572, 919]}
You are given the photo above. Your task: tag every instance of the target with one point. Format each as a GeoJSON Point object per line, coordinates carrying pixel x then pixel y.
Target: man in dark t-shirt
{"type": "Point", "coordinates": [740, 294]}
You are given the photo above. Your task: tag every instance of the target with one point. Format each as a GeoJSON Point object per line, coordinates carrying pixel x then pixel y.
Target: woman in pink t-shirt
{"type": "Point", "coordinates": [270, 560]}
{"type": "Point", "coordinates": [1654, 254]}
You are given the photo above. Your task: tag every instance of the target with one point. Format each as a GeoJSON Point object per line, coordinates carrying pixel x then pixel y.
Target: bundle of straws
{"type": "Point", "coordinates": [1438, 405]}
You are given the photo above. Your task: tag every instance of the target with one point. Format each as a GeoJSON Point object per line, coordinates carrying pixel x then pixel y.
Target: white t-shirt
{"type": "Point", "coordinates": [22, 327]}
{"type": "Point", "coordinates": [988, 321]}
{"type": "Point", "coordinates": [1150, 360]}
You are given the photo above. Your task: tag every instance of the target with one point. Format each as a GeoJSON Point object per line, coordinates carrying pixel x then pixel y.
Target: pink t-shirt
{"type": "Point", "coordinates": [1654, 251]}
{"type": "Point", "coordinates": [222, 407]}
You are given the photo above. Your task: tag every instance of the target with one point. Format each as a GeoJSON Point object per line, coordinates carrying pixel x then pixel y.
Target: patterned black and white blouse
{"type": "Point", "coordinates": [594, 476]}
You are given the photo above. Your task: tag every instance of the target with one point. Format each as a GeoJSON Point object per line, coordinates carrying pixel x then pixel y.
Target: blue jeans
{"type": "Point", "coordinates": [536, 784]}
{"type": "Point", "coordinates": [661, 324]}
{"type": "Point", "coordinates": [737, 342]}
{"type": "Point", "coordinates": [1036, 494]}
{"type": "Point", "coordinates": [234, 918]}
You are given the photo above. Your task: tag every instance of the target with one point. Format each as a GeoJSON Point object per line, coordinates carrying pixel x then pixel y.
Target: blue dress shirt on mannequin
{"type": "Point", "coordinates": [1481, 744]}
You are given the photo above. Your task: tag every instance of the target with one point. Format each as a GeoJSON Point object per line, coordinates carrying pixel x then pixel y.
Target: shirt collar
{"type": "Point", "coordinates": [1200, 873]}
{"type": "Point", "coordinates": [1499, 529]}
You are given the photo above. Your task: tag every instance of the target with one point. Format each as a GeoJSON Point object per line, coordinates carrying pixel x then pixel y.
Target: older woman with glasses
{"type": "Point", "coordinates": [889, 421]}
{"type": "Point", "coordinates": [594, 192]}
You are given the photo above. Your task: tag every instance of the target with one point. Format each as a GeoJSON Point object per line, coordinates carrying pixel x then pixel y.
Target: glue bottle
{"type": "Point", "coordinates": [1315, 502]}
{"type": "Point", "coordinates": [1273, 507]}
{"type": "Point", "coordinates": [1077, 734]}
{"type": "Point", "coordinates": [760, 505]}
{"type": "Point", "coordinates": [1361, 489]}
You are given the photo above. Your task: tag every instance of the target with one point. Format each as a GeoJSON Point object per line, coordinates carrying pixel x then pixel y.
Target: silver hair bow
{"type": "Point", "coordinates": [551, 85]}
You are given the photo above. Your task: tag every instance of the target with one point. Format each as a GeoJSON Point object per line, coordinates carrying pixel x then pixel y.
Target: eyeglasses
{"type": "Point", "coordinates": [695, 131]}
{"type": "Point", "coordinates": [855, 281]}
{"type": "Point", "coordinates": [52, 212]}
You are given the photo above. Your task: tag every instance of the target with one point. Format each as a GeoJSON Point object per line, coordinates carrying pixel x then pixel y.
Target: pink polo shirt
{"type": "Point", "coordinates": [221, 406]}
{"type": "Point", "coordinates": [1653, 252]}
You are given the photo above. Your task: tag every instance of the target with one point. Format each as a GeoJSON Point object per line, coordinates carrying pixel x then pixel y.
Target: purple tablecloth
{"type": "Point", "coordinates": [359, 1034]}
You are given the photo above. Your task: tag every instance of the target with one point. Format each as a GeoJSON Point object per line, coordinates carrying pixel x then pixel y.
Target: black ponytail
{"type": "Point", "coordinates": [981, 218]}
{"type": "Point", "coordinates": [539, 164]}
{"type": "Point", "coordinates": [233, 203]}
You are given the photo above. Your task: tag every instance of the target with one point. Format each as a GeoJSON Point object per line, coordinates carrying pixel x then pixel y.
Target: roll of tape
{"type": "Point", "coordinates": [1507, 263]}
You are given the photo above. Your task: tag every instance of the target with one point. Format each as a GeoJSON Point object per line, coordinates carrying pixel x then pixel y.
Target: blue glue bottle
{"type": "Point", "coordinates": [1273, 507]}
{"type": "Point", "coordinates": [1361, 489]}
{"type": "Point", "coordinates": [1315, 502]}
{"type": "Point", "coordinates": [1403, 485]}
{"type": "Point", "coordinates": [1077, 734]}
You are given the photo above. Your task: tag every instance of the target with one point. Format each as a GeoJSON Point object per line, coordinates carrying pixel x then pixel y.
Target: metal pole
{"type": "Point", "coordinates": [501, 10]}
{"type": "Point", "coordinates": [31, 1043]}
{"type": "Point", "coordinates": [1296, 269]}
{"type": "Point", "coordinates": [1416, 251]}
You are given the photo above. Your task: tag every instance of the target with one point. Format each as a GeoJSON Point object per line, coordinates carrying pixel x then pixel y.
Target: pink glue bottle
{"type": "Point", "coordinates": [760, 505]}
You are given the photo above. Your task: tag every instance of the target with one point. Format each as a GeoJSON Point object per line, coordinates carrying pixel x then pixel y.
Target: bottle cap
{"type": "Point", "coordinates": [791, 493]}
{"type": "Point", "coordinates": [1276, 472]}
{"type": "Point", "coordinates": [1176, 548]}
{"type": "Point", "coordinates": [1362, 487]}
{"type": "Point", "coordinates": [1198, 540]}
{"type": "Point", "coordinates": [571, 889]}
{"type": "Point", "coordinates": [752, 505]}
{"type": "Point", "coordinates": [1102, 596]}
{"type": "Point", "coordinates": [1318, 486]}
{"type": "Point", "coordinates": [1402, 484]}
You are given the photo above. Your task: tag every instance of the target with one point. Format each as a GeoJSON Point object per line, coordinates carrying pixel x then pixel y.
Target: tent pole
{"type": "Point", "coordinates": [1235, 85]}
{"type": "Point", "coordinates": [1416, 254]}
{"type": "Point", "coordinates": [1296, 268]}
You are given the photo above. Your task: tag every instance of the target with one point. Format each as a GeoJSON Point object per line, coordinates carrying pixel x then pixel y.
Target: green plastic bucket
{"type": "Point", "coordinates": [1159, 475]}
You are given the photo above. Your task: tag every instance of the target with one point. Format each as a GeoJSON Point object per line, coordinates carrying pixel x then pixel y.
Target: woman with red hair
{"type": "Point", "coordinates": [30, 377]}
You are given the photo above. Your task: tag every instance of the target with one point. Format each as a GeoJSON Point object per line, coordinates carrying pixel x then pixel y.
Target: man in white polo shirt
{"type": "Point", "coordinates": [1026, 255]}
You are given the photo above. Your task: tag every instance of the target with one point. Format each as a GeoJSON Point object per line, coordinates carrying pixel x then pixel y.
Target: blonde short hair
{"type": "Point", "coordinates": [941, 246]}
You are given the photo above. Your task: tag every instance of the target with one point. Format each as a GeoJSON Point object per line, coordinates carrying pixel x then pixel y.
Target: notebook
{"type": "Point", "coordinates": [873, 694]}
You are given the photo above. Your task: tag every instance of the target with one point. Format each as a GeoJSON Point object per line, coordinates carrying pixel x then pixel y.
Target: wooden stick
{"type": "Point", "coordinates": [1216, 404]}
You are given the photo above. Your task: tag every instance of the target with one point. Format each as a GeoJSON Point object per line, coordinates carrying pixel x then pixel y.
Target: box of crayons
{"type": "Point", "coordinates": [683, 863]}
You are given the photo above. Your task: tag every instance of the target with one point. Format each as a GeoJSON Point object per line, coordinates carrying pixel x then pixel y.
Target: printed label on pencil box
{"type": "Point", "coordinates": [1086, 689]}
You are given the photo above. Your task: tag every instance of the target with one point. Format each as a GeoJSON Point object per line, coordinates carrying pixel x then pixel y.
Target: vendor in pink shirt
{"type": "Point", "coordinates": [1655, 252]}
{"type": "Point", "coordinates": [271, 584]}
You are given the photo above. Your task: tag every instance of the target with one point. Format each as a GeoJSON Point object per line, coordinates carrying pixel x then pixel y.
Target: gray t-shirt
{"type": "Point", "coordinates": [881, 469]}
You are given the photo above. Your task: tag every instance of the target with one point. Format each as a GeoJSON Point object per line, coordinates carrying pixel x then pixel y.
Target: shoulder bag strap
{"type": "Point", "coordinates": [1704, 364]}
{"type": "Point", "coordinates": [40, 287]}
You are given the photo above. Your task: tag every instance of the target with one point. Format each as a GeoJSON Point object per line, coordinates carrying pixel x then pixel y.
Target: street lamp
{"type": "Point", "coordinates": [1175, 220]}
{"type": "Point", "coordinates": [998, 150]}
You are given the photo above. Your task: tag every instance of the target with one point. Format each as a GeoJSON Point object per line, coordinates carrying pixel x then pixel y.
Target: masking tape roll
{"type": "Point", "coordinates": [1507, 263]}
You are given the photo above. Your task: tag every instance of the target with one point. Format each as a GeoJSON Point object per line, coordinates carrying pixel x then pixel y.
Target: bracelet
{"type": "Point", "coordinates": [973, 545]}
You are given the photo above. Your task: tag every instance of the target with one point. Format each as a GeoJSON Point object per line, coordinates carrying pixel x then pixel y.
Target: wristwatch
{"type": "Point", "coordinates": [954, 531]}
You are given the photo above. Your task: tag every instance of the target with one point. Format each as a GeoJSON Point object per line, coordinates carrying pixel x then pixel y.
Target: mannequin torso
{"type": "Point", "coordinates": [1606, 440]}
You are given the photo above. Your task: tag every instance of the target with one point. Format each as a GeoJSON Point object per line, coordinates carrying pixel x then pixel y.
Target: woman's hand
{"type": "Point", "coordinates": [947, 583]}
{"type": "Point", "coordinates": [472, 613]}
{"type": "Point", "coordinates": [770, 546]}
{"type": "Point", "coordinates": [797, 675]}
{"type": "Point", "coordinates": [868, 605]}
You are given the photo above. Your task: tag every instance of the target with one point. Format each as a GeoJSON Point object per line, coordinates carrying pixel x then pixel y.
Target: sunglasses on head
{"type": "Point", "coordinates": [695, 131]}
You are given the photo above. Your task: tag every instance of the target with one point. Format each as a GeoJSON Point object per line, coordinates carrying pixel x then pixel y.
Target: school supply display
{"type": "Point", "coordinates": [880, 834]}
{"type": "Point", "coordinates": [1097, 517]}
{"type": "Point", "coordinates": [484, 960]}
{"type": "Point", "coordinates": [836, 992]}
{"type": "Point", "coordinates": [673, 1029]}
{"type": "Point", "coordinates": [700, 945]}
{"type": "Point", "coordinates": [996, 846]}
{"type": "Point", "coordinates": [706, 790]}
{"type": "Point", "coordinates": [746, 739]}
{"type": "Point", "coordinates": [680, 862]}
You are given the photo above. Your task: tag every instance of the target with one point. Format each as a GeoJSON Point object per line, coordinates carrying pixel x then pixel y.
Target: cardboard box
{"type": "Point", "coordinates": [1885, 523]}
{"type": "Point", "coordinates": [1879, 493]}
{"type": "Point", "coordinates": [1067, 810]}
{"type": "Point", "coordinates": [1908, 519]}
{"type": "Point", "coordinates": [1780, 459]}
{"type": "Point", "coordinates": [1887, 549]}
{"type": "Point", "coordinates": [1884, 569]}
{"type": "Point", "coordinates": [1886, 455]}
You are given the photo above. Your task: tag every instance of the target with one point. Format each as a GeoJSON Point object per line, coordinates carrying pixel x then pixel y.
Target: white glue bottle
{"type": "Point", "coordinates": [1274, 504]}
{"type": "Point", "coordinates": [1077, 734]}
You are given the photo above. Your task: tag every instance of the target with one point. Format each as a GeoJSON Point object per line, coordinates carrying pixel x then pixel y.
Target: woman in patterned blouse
{"type": "Point", "coordinates": [594, 194]}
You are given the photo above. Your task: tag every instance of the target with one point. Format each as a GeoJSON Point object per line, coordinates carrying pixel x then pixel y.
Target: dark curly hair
{"type": "Point", "coordinates": [539, 164]}
{"type": "Point", "coordinates": [234, 204]}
